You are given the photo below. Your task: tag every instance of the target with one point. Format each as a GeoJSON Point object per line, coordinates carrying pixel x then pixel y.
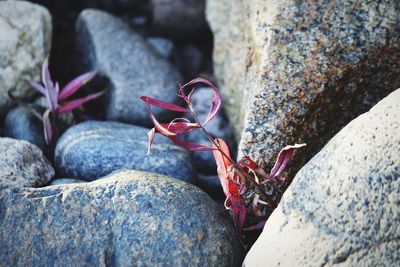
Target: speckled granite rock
{"type": "Point", "coordinates": [66, 181]}
{"type": "Point", "coordinates": [22, 164]}
{"type": "Point", "coordinates": [93, 149]}
{"type": "Point", "coordinates": [343, 206]}
{"type": "Point", "coordinates": [21, 123]}
{"type": "Point", "coordinates": [131, 67]}
{"type": "Point", "coordinates": [25, 40]}
{"type": "Point", "coordinates": [298, 71]}
{"type": "Point", "coordinates": [218, 127]}
{"type": "Point", "coordinates": [129, 218]}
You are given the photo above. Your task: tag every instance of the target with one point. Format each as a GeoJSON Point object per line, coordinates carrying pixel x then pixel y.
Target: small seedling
{"type": "Point", "coordinates": [57, 99]}
{"type": "Point", "coordinates": [234, 176]}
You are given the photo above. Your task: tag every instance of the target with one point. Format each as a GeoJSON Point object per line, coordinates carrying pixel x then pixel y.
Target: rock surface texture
{"type": "Point", "coordinates": [22, 164]}
{"type": "Point", "coordinates": [343, 206]}
{"type": "Point", "coordinates": [129, 65]}
{"type": "Point", "coordinates": [25, 35]}
{"type": "Point", "coordinates": [93, 149]}
{"type": "Point", "coordinates": [21, 123]}
{"type": "Point", "coordinates": [298, 71]}
{"type": "Point", "coordinates": [129, 218]}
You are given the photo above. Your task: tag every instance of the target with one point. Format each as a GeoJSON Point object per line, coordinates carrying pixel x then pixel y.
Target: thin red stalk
{"type": "Point", "coordinates": [236, 166]}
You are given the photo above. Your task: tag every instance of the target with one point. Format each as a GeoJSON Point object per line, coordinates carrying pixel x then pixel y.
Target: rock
{"type": "Point", "coordinates": [343, 206]}
{"type": "Point", "coordinates": [211, 185]}
{"type": "Point", "coordinates": [93, 149]}
{"type": "Point", "coordinates": [25, 40]}
{"type": "Point", "coordinates": [22, 164]}
{"type": "Point", "coordinates": [163, 46]}
{"type": "Point", "coordinates": [298, 71]}
{"type": "Point", "coordinates": [21, 123]}
{"type": "Point", "coordinates": [178, 18]}
{"type": "Point", "coordinates": [66, 181]}
{"type": "Point", "coordinates": [189, 60]}
{"type": "Point", "coordinates": [218, 127]}
{"type": "Point", "coordinates": [130, 218]}
{"type": "Point", "coordinates": [131, 67]}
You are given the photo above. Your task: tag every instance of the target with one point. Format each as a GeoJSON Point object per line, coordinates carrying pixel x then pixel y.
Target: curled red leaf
{"type": "Point", "coordinates": [284, 156]}
{"type": "Point", "coordinates": [215, 103]}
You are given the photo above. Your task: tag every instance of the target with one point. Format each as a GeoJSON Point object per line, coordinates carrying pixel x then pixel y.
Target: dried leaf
{"type": "Point", "coordinates": [284, 156]}
{"type": "Point", "coordinates": [258, 226]}
{"type": "Point", "coordinates": [76, 84]}
{"type": "Point", "coordinates": [150, 135]}
{"type": "Point", "coordinates": [223, 164]}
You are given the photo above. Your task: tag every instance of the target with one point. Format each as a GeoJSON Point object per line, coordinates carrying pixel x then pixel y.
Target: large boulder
{"type": "Point", "coordinates": [343, 206]}
{"type": "Point", "coordinates": [93, 149]}
{"type": "Point", "coordinates": [129, 218]}
{"type": "Point", "coordinates": [22, 164]}
{"type": "Point", "coordinates": [130, 66]}
{"type": "Point", "coordinates": [25, 40]}
{"type": "Point", "coordinates": [298, 71]}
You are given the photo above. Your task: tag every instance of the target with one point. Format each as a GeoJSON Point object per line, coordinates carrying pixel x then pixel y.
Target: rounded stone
{"type": "Point", "coordinates": [342, 208]}
{"type": "Point", "coordinates": [93, 149]}
{"type": "Point", "coordinates": [129, 218]}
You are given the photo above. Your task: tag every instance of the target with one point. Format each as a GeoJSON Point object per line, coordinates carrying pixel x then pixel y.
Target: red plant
{"type": "Point", "coordinates": [57, 100]}
{"type": "Point", "coordinates": [234, 176]}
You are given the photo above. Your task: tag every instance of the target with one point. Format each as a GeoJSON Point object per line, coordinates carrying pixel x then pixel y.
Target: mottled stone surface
{"type": "Point", "coordinates": [93, 149]}
{"type": "Point", "coordinates": [129, 65]}
{"type": "Point", "coordinates": [22, 164]}
{"type": "Point", "coordinates": [178, 18]}
{"type": "Point", "coordinates": [128, 219]}
{"type": "Point", "coordinates": [66, 181]}
{"type": "Point", "coordinates": [162, 45]}
{"type": "Point", "coordinates": [298, 71]}
{"type": "Point", "coordinates": [25, 35]}
{"type": "Point", "coordinates": [343, 206]}
{"type": "Point", "coordinates": [21, 123]}
{"type": "Point", "coordinates": [219, 127]}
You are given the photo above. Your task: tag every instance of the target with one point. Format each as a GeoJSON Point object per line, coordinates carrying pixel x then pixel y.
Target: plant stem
{"type": "Point", "coordinates": [235, 165]}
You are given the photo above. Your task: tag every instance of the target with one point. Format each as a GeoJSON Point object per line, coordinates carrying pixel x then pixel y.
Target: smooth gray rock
{"type": "Point", "coordinates": [21, 123]}
{"type": "Point", "coordinates": [93, 149]}
{"type": "Point", "coordinates": [189, 60]}
{"type": "Point", "coordinates": [178, 18]}
{"type": "Point", "coordinates": [22, 164]}
{"type": "Point", "coordinates": [130, 218]}
{"type": "Point", "coordinates": [163, 46]}
{"type": "Point", "coordinates": [219, 127]}
{"type": "Point", "coordinates": [131, 67]}
{"type": "Point", "coordinates": [342, 208]}
{"type": "Point", "coordinates": [298, 71]}
{"type": "Point", "coordinates": [66, 181]}
{"type": "Point", "coordinates": [25, 40]}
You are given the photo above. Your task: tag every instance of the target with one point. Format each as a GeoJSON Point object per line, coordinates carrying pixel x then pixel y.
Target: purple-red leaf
{"type": "Point", "coordinates": [37, 86]}
{"type": "Point", "coordinates": [78, 102]}
{"type": "Point", "coordinates": [189, 145]}
{"type": "Point", "coordinates": [47, 127]}
{"type": "Point", "coordinates": [46, 78]}
{"type": "Point", "coordinates": [223, 164]}
{"type": "Point", "coordinates": [215, 103]}
{"type": "Point", "coordinates": [74, 85]}
{"type": "Point", "coordinates": [164, 105]}
{"type": "Point", "coordinates": [282, 160]}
